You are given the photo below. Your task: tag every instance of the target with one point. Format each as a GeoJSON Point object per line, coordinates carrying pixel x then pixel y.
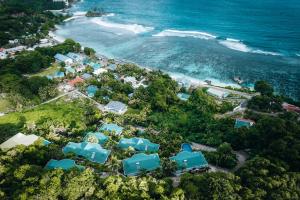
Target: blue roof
{"type": "Point", "coordinates": [100, 137]}
{"type": "Point", "coordinates": [46, 142]}
{"type": "Point", "coordinates": [63, 164]}
{"type": "Point", "coordinates": [186, 147]}
{"type": "Point", "coordinates": [139, 162]}
{"type": "Point", "coordinates": [91, 90]}
{"type": "Point", "coordinates": [61, 57]}
{"type": "Point", "coordinates": [243, 123]}
{"type": "Point", "coordinates": [113, 128]}
{"type": "Point", "coordinates": [112, 66]}
{"type": "Point", "coordinates": [74, 56]}
{"type": "Point", "coordinates": [116, 107]}
{"type": "Point", "coordinates": [86, 76]}
{"type": "Point", "coordinates": [183, 96]}
{"type": "Point", "coordinates": [91, 151]}
{"type": "Point", "coordinates": [69, 69]}
{"type": "Point", "coordinates": [58, 74]}
{"type": "Point", "coordinates": [95, 66]}
{"type": "Point", "coordinates": [186, 161]}
{"type": "Point", "coordinates": [139, 144]}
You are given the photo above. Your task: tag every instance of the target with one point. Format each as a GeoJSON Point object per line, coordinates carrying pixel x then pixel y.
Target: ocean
{"type": "Point", "coordinates": [201, 39]}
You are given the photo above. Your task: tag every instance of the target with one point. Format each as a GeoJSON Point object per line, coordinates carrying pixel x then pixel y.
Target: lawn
{"type": "Point", "coordinates": [49, 71]}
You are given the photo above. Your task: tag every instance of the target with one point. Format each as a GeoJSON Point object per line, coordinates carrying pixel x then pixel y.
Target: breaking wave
{"type": "Point", "coordinates": [177, 33]}
{"type": "Point", "coordinates": [133, 28]}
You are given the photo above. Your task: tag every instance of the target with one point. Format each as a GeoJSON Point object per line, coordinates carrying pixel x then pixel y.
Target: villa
{"type": "Point", "coordinates": [91, 151]}
{"type": "Point", "coordinates": [99, 71]}
{"type": "Point", "coordinates": [116, 107]}
{"type": "Point", "coordinates": [290, 108]}
{"type": "Point", "coordinates": [75, 81]}
{"type": "Point", "coordinates": [140, 162]}
{"type": "Point", "coordinates": [183, 96]}
{"type": "Point", "coordinates": [112, 67]}
{"type": "Point", "coordinates": [64, 164]}
{"type": "Point", "coordinates": [75, 57]}
{"type": "Point", "coordinates": [112, 128]}
{"type": "Point", "coordinates": [86, 76]}
{"type": "Point", "coordinates": [95, 137]}
{"type": "Point", "coordinates": [70, 70]}
{"type": "Point", "coordinates": [239, 122]}
{"type": "Point", "coordinates": [187, 161]}
{"type": "Point", "coordinates": [217, 93]}
{"type": "Point", "coordinates": [19, 139]}
{"type": "Point", "coordinates": [95, 66]}
{"type": "Point", "coordinates": [91, 90]}
{"type": "Point", "coordinates": [139, 144]}
{"type": "Point", "coordinates": [61, 58]}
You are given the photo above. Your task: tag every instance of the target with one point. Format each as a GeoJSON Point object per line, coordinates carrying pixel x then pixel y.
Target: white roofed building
{"type": "Point", "coordinates": [217, 93]}
{"type": "Point", "coordinates": [116, 107]}
{"type": "Point", "coordinates": [19, 139]}
{"type": "Point", "coordinates": [99, 71]}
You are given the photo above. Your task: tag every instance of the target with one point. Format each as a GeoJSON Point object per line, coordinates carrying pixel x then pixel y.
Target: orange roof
{"type": "Point", "coordinates": [75, 81]}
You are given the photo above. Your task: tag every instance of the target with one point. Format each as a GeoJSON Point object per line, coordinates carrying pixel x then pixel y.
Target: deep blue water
{"type": "Point", "coordinates": [203, 39]}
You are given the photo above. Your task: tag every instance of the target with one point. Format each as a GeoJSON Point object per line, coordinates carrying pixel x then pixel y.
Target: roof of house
{"type": "Point", "coordinates": [116, 106]}
{"type": "Point", "coordinates": [290, 107]}
{"type": "Point", "coordinates": [74, 56]}
{"type": "Point", "coordinates": [186, 160]}
{"type": "Point", "coordinates": [114, 128]}
{"type": "Point", "coordinates": [139, 144]}
{"type": "Point", "coordinates": [112, 66]}
{"type": "Point", "coordinates": [86, 76]}
{"type": "Point", "coordinates": [76, 81]}
{"type": "Point", "coordinates": [70, 69]}
{"type": "Point", "coordinates": [239, 122]}
{"type": "Point", "coordinates": [95, 66]}
{"type": "Point", "coordinates": [140, 162]}
{"type": "Point", "coordinates": [58, 74]}
{"type": "Point", "coordinates": [183, 96]}
{"type": "Point", "coordinates": [61, 57]}
{"type": "Point", "coordinates": [216, 92]}
{"type": "Point", "coordinates": [98, 135]}
{"type": "Point", "coordinates": [19, 139]}
{"type": "Point", "coordinates": [91, 151]}
{"type": "Point", "coordinates": [63, 164]}
{"type": "Point", "coordinates": [91, 90]}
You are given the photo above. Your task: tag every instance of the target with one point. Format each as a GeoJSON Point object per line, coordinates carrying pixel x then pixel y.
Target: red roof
{"type": "Point", "coordinates": [75, 81]}
{"type": "Point", "coordinates": [290, 107]}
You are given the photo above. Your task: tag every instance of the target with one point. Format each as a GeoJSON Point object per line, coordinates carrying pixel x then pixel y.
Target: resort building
{"type": "Point", "coordinates": [61, 58]}
{"type": "Point", "coordinates": [112, 128]}
{"type": "Point", "coordinates": [140, 162]}
{"type": "Point", "coordinates": [64, 164]}
{"type": "Point", "coordinates": [217, 93]}
{"type": "Point", "coordinates": [99, 71]}
{"type": "Point", "coordinates": [91, 151]}
{"type": "Point", "coordinates": [112, 67]}
{"type": "Point", "coordinates": [116, 107]}
{"type": "Point", "coordinates": [70, 70]}
{"type": "Point", "coordinates": [183, 96]}
{"type": "Point", "coordinates": [139, 144]}
{"type": "Point", "coordinates": [75, 57]}
{"type": "Point", "coordinates": [95, 66]}
{"type": "Point", "coordinates": [239, 122]}
{"type": "Point", "coordinates": [19, 139]}
{"type": "Point", "coordinates": [91, 90]}
{"type": "Point", "coordinates": [290, 108]}
{"type": "Point", "coordinates": [75, 81]}
{"type": "Point", "coordinates": [86, 76]}
{"type": "Point", "coordinates": [95, 137]}
{"type": "Point", "coordinates": [188, 161]}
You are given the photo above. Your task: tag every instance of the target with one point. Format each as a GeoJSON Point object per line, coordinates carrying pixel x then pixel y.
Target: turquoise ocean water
{"type": "Point", "coordinates": [202, 39]}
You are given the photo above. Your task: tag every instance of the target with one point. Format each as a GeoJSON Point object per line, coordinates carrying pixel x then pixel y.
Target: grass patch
{"type": "Point", "coordinates": [49, 71]}
{"type": "Point", "coordinates": [4, 105]}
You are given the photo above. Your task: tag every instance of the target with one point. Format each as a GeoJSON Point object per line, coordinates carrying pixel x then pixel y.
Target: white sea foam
{"type": "Point", "coordinates": [177, 33]}
{"type": "Point", "coordinates": [110, 15]}
{"type": "Point", "coordinates": [298, 54]}
{"type": "Point", "coordinates": [235, 45]}
{"type": "Point", "coordinates": [79, 13]}
{"type": "Point", "coordinates": [56, 37]}
{"type": "Point", "coordinates": [134, 28]}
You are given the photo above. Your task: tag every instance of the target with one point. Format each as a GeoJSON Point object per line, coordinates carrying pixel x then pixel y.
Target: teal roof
{"type": "Point", "coordinates": [91, 90]}
{"type": "Point", "coordinates": [138, 162]}
{"type": "Point", "coordinates": [69, 69]}
{"type": "Point", "coordinates": [63, 164]}
{"type": "Point", "coordinates": [113, 128]}
{"type": "Point", "coordinates": [95, 66]}
{"type": "Point", "coordinates": [58, 74]}
{"type": "Point", "coordinates": [46, 142]}
{"type": "Point", "coordinates": [183, 96]}
{"type": "Point", "coordinates": [100, 137]}
{"type": "Point", "coordinates": [243, 123]}
{"type": "Point", "coordinates": [91, 151]}
{"type": "Point", "coordinates": [186, 160]}
{"type": "Point", "coordinates": [139, 144]}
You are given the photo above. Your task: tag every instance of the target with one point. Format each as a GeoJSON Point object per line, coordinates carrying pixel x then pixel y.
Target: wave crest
{"type": "Point", "coordinates": [133, 28]}
{"type": "Point", "coordinates": [177, 33]}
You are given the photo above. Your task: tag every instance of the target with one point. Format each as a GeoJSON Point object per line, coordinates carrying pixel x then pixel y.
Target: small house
{"type": "Point", "coordinates": [70, 70]}
{"type": "Point", "coordinates": [64, 164]}
{"type": "Point", "coordinates": [99, 71]}
{"type": "Point", "coordinates": [91, 151]}
{"type": "Point", "coordinates": [112, 128]}
{"type": "Point", "coordinates": [19, 139]}
{"type": "Point", "coordinates": [218, 93]}
{"type": "Point", "coordinates": [116, 107]}
{"type": "Point", "coordinates": [86, 76]}
{"type": "Point", "coordinates": [91, 90]}
{"type": "Point", "coordinates": [139, 163]}
{"type": "Point", "coordinates": [95, 137]}
{"type": "Point", "coordinates": [239, 122]}
{"type": "Point", "coordinates": [187, 161]}
{"type": "Point", "coordinates": [75, 81]}
{"type": "Point", "coordinates": [183, 96]}
{"type": "Point", "coordinates": [139, 144]}
{"type": "Point", "coordinates": [290, 108]}
{"type": "Point", "coordinates": [75, 57]}
{"type": "Point", "coordinates": [62, 58]}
